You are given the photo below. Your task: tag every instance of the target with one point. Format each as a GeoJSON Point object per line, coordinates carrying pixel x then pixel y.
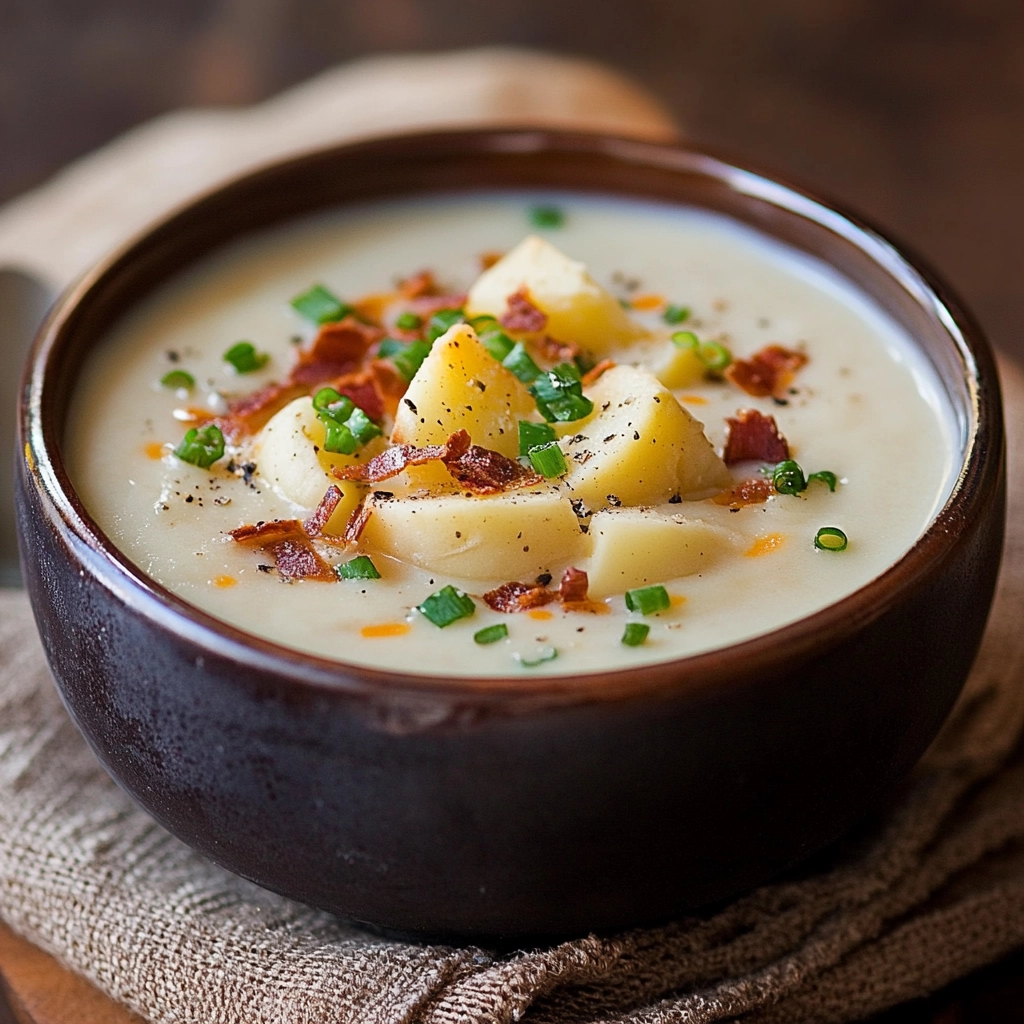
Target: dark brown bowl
{"type": "Point", "coordinates": [511, 807]}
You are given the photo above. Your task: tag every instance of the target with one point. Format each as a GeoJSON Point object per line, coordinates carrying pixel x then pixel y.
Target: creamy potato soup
{"type": "Point", "coordinates": [510, 433]}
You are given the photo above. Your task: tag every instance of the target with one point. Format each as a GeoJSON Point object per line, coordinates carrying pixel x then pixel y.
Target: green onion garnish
{"type": "Point", "coordinates": [441, 322]}
{"type": "Point", "coordinates": [559, 394]}
{"type": "Point", "coordinates": [359, 568]}
{"type": "Point", "coordinates": [497, 342]}
{"type": "Point", "coordinates": [333, 405]}
{"type": "Point", "coordinates": [519, 363]}
{"type": "Point", "coordinates": [826, 477]}
{"type": "Point", "coordinates": [788, 478]}
{"type": "Point", "coordinates": [544, 654]}
{"type": "Point", "coordinates": [533, 434]}
{"type": "Point", "coordinates": [635, 633]}
{"type": "Point", "coordinates": [830, 538]}
{"type": "Point", "coordinates": [714, 356]}
{"type": "Point", "coordinates": [178, 379]}
{"type": "Point", "coordinates": [319, 306]}
{"type": "Point", "coordinates": [410, 359]}
{"type": "Point", "coordinates": [548, 460]}
{"type": "Point", "coordinates": [685, 339]}
{"type": "Point", "coordinates": [201, 446]}
{"type": "Point", "coordinates": [483, 322]}
{"type": "Point", "coordinates": [389, 347]}
{"type": "Point", "coordinates": [362, 427]}
{"type": "Point", "coordinates": [346, 425]}
{"type": "Point", "coordinates": [244, 357]}
{"type": "Point", "coordinates": [648, 600]}
{"type": "Point", "coordinates": [409, 322]}
{"type": "Point", "coordinates": [676, 314]}
{"type": "Point", "coordinates": [447, 606]}
{"type": "Point", "coordinates": [491, 634]}
{"type": "Point", "coordinates": [338, 439]}
{"type": "Point", "coordinates": [546, 217]}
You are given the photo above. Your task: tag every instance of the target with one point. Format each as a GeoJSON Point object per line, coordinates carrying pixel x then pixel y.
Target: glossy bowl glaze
{"type": "Point", "coordinates": [527, 806]}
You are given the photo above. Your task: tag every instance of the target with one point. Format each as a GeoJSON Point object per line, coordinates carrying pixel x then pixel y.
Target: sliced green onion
{"type": "Point", "coordinates": [788, 478]}
{"type": "Point", "coordinates": [410, 359]}
{"type": "Point", "coordinates": [497, 342]}
{"type": "Point", "coordinates": [491, 634]}
{"type": "Point", "coordinates": [483, 322]}
{"type": "Point", "coordinates": [447, 606]}
{"type": "Point", "coordinates": [244, 357]}
{"type": "Point", "coordinates": [635, 633]}
{"type": "Point", "coordinates": [830, 538]}
{"type": "Point", "coordinates": [826, 477]}
{"type": "Point", "coordinates": [319, 306]}
{"type": "Point", "coordinates": [533, 434]}
{"type": "Point", "coordinates": [359, 568]}
{"type": "Point", "coordinates": [338, 439]}
{"type": "Point", "coordinates": [441, 322]}
{"type": "Point", "coordinates": [714, 356]}
{"type": "Point", "coordinates": [648, 600]}
{"type": "Point", "coordinates": [676, 314]}
{"type": "Point", "coordinates": [409, 322]}
{"type": "Point", "coordinates": [559, 394]}
{"type": "Point", "coordinates": [201, 446]}
{"type": "Point", "coordinates": [346, 425]}
{"type": "Point", "coordinates": [521, 365]}
{"type": "Point", "coordinates": [178, 379]}
{"type": "Point", "coordinates": [362, 427]}
{"type": "Point", "coordinates": [389, 347]}
{"type": "Point", "coordinates": [584, 362]}
{"type": "Point", "coordinates": [546, 217]}
{"type": "Point", "coordinates": [685, 339]}
{"type": "Point", "coordinates": [544, 654]}
{"type": "Point", "coordinates": [333, 405]}
{"type": "Point", "coordinates": [548, 460]}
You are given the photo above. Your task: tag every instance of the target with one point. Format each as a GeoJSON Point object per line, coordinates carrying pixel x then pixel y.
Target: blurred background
{"type": "Point", "coordinates": [911, 111]}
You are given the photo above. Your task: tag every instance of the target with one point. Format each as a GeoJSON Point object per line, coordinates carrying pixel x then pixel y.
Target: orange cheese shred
{"type": "Point", "coordinates": [385, 629]}
{"type": "Point", "coordinates": [765, 545]}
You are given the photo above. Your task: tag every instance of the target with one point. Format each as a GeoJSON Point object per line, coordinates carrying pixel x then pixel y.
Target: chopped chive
{"type": "Point", "coordinates": [788, 478]}
{"type": "Point", "coordinates": [441, 322]}
{"type": "Point", "coordinates": [178, 379]}
{"type": "Point", "coordinates": [544, 654]}
{"type": "Point", "coordinates": [319, 306]}
{"type": "Point", "coordinates": [830, 538]}
{"type": "Point", "coordinates": [346, 425]}
{"type": "Point", "coordinates": [676, 314]}
{"type": "Point", "coordinates": [338, 439]}
{"type": "Point", "coordinates": [491, 634]}
{"type": "Point", "coordinates": [714, 355]}
{"type": "Point", "coordinates": [546, 217]}
{"type": "Point", "coordinates": [359, 568]}
{"type": "Point", "coordinates": [635, 633]}
{"type": "Point", "coordinates": [409, 322]}
{"type": "Point", "coordinates": [521, 365]}
{"type": "Point", "coordinates": [333, 405]}
{"type": "Point", "coordinates": [483, 322]}
{"type": "Point", "coordinates": [362, 427]}
{"type": "Point", "coordinates": [389, 347]}
{"type": "Point", "coordinates": [533, 434]}
{"type": "Point", "coordinates": [244, 357]}
{"type": "Point", "coordinates": [448, 605]}
{"type": "Point", "coordinates": [559, 394]}
{"type": "Point", "coordinates": [826, 477]}
{"type": "Point", "coordinates": [685, 339]}
{"type": "Point", "coordinates": [648, 600]}
{"type": "Point", "coordinates": [410, 359]}
{"type": "Point", "coordinates": [497, 342]}
{"type": "Point", "coordinates": [548, 460]}
{"type": "Point", "coordinates": [201, 446]}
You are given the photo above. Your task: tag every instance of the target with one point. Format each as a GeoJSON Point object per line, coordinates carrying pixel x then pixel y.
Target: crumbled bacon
{"type": "Point", "coordinates": [321, 516]}
{"type": "Point", "coordinates": [400, 456]}
{"type": "Point", "coordinates": [263, 533]}
{"type": "Point", "coordinates": [555, 351]}
{"type": "Point", "coordinates": [427, 305]}
{"type": "Point", "coordinates": [363, 389]}
{"type": "Point", "coordinates": [767, 372]}
{"type": "Point", "coordinates": [594, 374]}
{"type": "Point", "coordinates": [753, 435]}
{"type": "Point", "coordinates": [357, 521]}
{"type": "Point", "coordinates": [418, 285]}
{"type": "Point", "coordinates": [573, 586]}
{"type": "Point", "coordinates": [483, 471]}
{"type": "Point", "coordinates": [390, 384]}
{"type": "Point", "coordinates": [522, 315]}
{"type": "Point", "coordinates": [754, 491]}
{"type": "Point", "coordinates": [518, 597]}
{"type": "Point", "coordinates": [338, 349]}
{"type": "Point", "coordinates": [296, 560]}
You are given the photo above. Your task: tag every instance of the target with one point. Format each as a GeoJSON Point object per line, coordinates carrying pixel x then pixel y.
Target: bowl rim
{"type": "Point", "coordinates": [40, 431]}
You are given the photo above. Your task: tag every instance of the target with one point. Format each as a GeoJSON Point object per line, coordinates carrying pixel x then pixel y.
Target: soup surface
{"type": "Point", "coordinates": [854, 399]}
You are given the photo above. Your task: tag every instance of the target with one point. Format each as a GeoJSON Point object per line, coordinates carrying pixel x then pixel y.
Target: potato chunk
{"type": "Point", "coordinates": [639, 447]}
{"type": "Point", "coordinates": [512, 536]}
{"type": "Point", "coordinates": [577, 307]}
{"type": "Point", "coordinates": [287, 456]}
{"type": "Point", "coordinates": [636, 547]}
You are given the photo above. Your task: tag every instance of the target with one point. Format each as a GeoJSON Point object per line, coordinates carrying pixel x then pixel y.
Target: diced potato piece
{"type": "Point", "coordinates": [512, 536]}
{"type": "Point", "coordinates": [639, 447]}
{"type": "Point", "coordinates": [636, 547]}
{"type": "Point", "coordinates": [461, 386]}
{"type": "Point", "coordinates": [577, 307]}
{"type": "Point", "coordinates": [287, 457]}
{"type": "Point", "coordinates": [677, 367]}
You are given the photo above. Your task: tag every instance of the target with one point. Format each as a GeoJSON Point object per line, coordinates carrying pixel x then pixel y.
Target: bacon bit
{"type": "Point", "coordinates": [427, 305]}
{"type": "Point", "coordinates": [154, 450]}
{"type": "Point", "coordinates": [765, 545]}
{"type": "Point", "coordinates": [555, 351]}
{"type": "Point", "coordinates": [483, 471]}
{"type": "Point", "coordinates": [338, 349]}
{"type": "Point", "coordinates": [522, 315]}
{"type": "Point", "coordinates": [753, 435]}
{"type": "Point", "coordinates": [489, 258]}
{"type": "Point", "coordinates": [647, 302]}
{"type": "Point", "coordinates": [418, 285]}
{"type": "Point", "coordinates": [398, 457]}
{"type": "Point", "coordinates": [362, 388]}
{"type": "Point", "coordinates": [540, 613]}
{"type": "Point", "coordinates": [594, 374]}
{"type": "Point", "coordinates": [263, 533]}
{"type": "Point", "coordinates": [385, 629]}
{"type": "Point", "coordinates": [296, 560]}
{"type": "Point", "coordinates": [767, 372]}
{"type": "Point", "coordinates": [754, 491]}
{"type": "Point", "coordinates": [693, 399]}
{"type": "Point", "coordinates": [357, 521]}
{"type": "Point", "coordinates": [518, 597]}
{"type": "Point", "coordinates": [247, 414]}
{"type": "Point", "coordinates": [315, 524]}
{"type": "Point", "coordinates": [223, 582]}
{"type": "Point", "coordinates": [573, 586]}
{"type": "Point", "coordinates": [390, 384]}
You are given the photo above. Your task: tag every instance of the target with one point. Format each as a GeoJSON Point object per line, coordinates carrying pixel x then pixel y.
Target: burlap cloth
{"type": "Point", "coordinates": [932, 887]}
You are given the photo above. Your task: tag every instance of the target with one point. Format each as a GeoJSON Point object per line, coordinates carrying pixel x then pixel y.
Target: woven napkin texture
{"type": "Point", "coordinates": [930, 888]}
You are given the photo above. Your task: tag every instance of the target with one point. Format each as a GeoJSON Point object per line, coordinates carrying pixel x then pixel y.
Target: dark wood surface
{"type": "Point", "coordinates": [909, 110]}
